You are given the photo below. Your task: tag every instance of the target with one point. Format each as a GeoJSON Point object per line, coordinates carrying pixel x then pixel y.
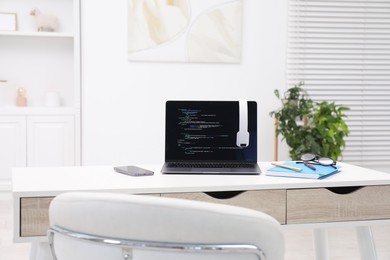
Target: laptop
{"type": "Point", "coordinates": [211, 137]}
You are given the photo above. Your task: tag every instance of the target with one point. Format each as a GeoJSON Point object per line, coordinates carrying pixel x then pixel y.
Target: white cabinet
{"type": "Point", "coordinates": [50, 141]}
{"type": "Point", "coordinates": [36, 141]}
{"type": "Point", "coordinates": [12, 144]}
{"type": "Point", "coordinates": [42, 63]}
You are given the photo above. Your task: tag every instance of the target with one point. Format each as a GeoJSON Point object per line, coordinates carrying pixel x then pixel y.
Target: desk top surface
{"type": "Point", "coordinates": [51, 181]}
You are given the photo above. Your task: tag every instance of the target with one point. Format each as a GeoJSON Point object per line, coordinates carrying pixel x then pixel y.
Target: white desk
{"type": "Point", "coordinates": [291, 201]}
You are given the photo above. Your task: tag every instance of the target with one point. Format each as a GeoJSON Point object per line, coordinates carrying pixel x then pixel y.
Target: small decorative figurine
{"type": "Point", "coordinates": [21, 100]}
{"type": "Point", "coordinates": [45, 22]}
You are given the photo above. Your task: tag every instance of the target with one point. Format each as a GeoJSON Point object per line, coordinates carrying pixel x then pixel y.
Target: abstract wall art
{"type": "Point", "coordinates": [185, 30]}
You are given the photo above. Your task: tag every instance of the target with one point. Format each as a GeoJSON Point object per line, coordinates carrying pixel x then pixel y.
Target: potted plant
{"type": "Point", "coordinates": [308, 126]}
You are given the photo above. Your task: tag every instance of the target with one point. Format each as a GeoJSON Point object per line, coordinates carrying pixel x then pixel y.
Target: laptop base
{"type": "Point", "coordinates": [255, 170]}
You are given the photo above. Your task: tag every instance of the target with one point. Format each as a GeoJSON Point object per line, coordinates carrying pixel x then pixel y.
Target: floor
{"type": "Point", "coordinates": [9, 250]}
{"type": "Point", "coordinates": [299, 246]}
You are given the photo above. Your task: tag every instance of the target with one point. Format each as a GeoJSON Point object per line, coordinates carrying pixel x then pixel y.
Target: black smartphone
{"type": "Point", "coordinates": [133, 170]}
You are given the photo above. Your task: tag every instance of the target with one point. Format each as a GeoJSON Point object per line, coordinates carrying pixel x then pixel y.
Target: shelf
{"type": "Point", "coordinates": [37, 34]}
{"type": "Point", "coordinates": [15, 111]}
{"type": "Point", "coordinates": [40, 62]}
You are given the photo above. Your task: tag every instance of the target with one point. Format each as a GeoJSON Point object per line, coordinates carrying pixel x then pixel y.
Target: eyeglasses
{"type": "Point", "coordinates": [316, 159]}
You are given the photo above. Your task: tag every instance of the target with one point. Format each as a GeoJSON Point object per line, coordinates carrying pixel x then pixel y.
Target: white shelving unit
{"type": "Point", "coordinates": [39, 62]}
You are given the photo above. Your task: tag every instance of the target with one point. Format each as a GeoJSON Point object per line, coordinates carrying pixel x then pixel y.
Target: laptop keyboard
{"type": "Point", "coordinates": [210, 165]}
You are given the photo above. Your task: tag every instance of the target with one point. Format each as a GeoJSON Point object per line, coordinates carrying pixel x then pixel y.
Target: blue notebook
{"type": "Point", "coordinates": [320, 172]}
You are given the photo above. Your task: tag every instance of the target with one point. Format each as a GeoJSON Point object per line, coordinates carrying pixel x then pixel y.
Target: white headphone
{"type": "Point", "coordinates": [243, 134]}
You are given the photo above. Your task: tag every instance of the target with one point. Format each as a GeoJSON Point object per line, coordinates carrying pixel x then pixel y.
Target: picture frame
{"type": "Point", "coordinates": [190, 31]}
{"type": "Point", "coordinates": [8, 22]}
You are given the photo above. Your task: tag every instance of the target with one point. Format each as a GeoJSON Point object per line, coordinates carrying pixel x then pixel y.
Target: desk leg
{"type": "Point", "coordinates": [40, 251]}
{"type": "Point", "coordinates": [366, 243]}
{"type": "Point", "coordinates": [33, 251]}
{"type": "Point", "coordinates": [320, 236]}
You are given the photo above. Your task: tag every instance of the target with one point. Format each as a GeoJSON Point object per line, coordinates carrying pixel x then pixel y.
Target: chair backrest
{"type": "Point", "coordinates": [99, 226]}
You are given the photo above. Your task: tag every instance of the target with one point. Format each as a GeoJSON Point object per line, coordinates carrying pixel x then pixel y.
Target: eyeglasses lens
{"type": "Point", "coordinates": [325, 161]}
{"type": "Point", "coordinates": [308, 157]}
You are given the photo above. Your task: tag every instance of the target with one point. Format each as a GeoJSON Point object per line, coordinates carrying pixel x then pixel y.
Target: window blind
{"type": "Point", "coordinates": [341, 50]}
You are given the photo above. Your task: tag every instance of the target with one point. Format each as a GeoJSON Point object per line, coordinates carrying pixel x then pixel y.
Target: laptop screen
{"type": "Point", "coordinates": [207, 131]}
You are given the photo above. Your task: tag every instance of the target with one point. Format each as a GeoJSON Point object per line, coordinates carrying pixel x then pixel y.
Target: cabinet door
{"type": "Point", "coordinates": [50, 141]}
{"type": "Point", "coordinates": [12, 144]}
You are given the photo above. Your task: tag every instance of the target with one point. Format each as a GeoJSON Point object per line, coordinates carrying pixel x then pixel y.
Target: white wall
{"type": "Point", "coordinates": [123, 102]}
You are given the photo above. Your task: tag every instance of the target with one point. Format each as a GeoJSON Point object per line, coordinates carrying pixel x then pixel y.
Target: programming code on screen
{"type": "Point", "coordinates": [198, 130]}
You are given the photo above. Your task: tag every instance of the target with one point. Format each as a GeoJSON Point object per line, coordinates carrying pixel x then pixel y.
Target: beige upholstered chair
{"type": "Point", "coordinates": [111, 226]}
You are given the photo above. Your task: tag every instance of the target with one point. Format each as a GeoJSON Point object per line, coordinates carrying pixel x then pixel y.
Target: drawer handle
{"type": "Point", "coordinates": [223, 195]}
{"type": "Point", "coordinates": [344, 190]}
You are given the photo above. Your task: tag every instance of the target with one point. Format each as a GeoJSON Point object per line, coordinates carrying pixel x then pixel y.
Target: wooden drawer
{"type": "Point", "coordinates": [338, 204]}
{"type": "Point", "coordinates": [34, 216]}
{"type": "Point", "coordinates": [272, 202]}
